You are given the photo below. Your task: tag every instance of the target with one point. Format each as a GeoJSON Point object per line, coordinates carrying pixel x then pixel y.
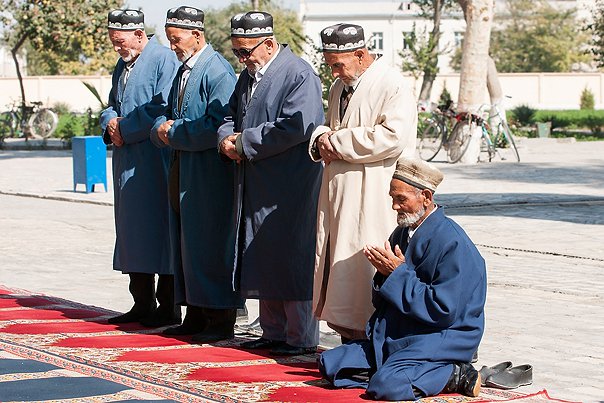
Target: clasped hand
{"type": "Point", "coordinates": [326, 150]}
{"type": "Point", "coordinates": [228, 147]}
{"type": "Point", "coordinates": [113, 128]}
{"type": "Point", "coordinates": [385, 260]}
{"type": "Point", "coordinates": [163, 130]}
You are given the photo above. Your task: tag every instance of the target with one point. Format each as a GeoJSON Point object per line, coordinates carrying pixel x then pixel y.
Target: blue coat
{"type": "Point", "coordinates": [139, 168]}
{"type": "Point", "coordinates": [277, 184]}
{"type": "Point", "coordinates": [428, 314]}
{"type": "Point", "coordinates": [200, 237]}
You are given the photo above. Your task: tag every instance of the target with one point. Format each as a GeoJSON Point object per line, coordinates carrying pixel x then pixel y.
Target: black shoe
{"type": "Point", "coordinates": [474, 357]}
{"type": "Point", "coordinates": [159, 319]}
{"type": "Point", "coordinates": [213, 334]}
{"type": "Point", "coordinates": [261, 343]}
{"type": "Point", "coordinates": [183, 330]}
{"type": "Point", "coordinates": [464, 380]}
{"type": "Point", "coordinates": [128, 317]}
{"type": "Point", "coordinates": [286, 349]}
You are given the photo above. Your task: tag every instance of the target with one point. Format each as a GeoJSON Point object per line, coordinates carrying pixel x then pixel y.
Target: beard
{"type": "Point", "coordinates": [129, 57]}
{"type": "Point", "coordinates": [405, 220]}
{"type": "Point", "coordinates": [252, 68]}
{"type": "Point", "coordinates": [184, 56]}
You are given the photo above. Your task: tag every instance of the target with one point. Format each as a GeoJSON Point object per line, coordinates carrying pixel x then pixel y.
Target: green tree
{"type": "Point", "coordinates": [596, 29]}
{"type": "Point", "coordinates": [64, 37]}
{"type": "Point", "coordinates": [536, 37]}
{"type": "Point", "coordinates": [421, 55]}
{"type": "Point", "coordinates": [286, 25]}
{"type": "Point", "coordinates": [587, 100]}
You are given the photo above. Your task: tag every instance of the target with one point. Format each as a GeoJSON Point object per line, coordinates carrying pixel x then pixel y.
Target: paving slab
{"type": "Point", "coordinates": [539, 224]}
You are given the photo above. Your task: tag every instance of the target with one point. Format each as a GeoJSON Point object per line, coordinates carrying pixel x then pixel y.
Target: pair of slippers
{"type": "Point", "coordinates": [505, 376]}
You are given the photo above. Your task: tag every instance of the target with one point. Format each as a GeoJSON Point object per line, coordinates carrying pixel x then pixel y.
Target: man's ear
{"type": "Point", "coordinates": [429, 196]}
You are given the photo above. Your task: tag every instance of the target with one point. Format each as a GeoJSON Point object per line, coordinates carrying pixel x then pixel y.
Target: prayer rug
{"type": "Point", "coordinates": [53, 349]}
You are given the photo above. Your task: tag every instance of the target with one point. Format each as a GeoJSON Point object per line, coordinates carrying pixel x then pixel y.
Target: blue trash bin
{"type": "Point", "coordinates": [89, 162]}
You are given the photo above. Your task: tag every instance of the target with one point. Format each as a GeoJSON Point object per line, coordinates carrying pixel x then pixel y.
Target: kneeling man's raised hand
{"type": "Point", "coordinates": [385, 260]}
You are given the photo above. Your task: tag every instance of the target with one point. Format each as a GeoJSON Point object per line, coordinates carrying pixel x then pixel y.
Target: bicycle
{"type": "Point", "coordinates": [28, 121]}
{"type": "Point", "coordinates": [435, 132]}
{"type": "Point", "coordinates": [491, 141]}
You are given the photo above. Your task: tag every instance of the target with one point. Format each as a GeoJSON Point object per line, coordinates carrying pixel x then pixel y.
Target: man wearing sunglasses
{"type": "Point", "coordinates": [200, 183]}
{"type": "Point", "coordinates": [272, 113]}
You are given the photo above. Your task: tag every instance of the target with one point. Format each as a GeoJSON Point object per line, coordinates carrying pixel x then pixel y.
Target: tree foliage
{"type": "Point", "coordinates": [62, 37]}
{"type": "Point", "coordinates": [596, 29]}
{"type": "Point", "coordinates": [286, 25]}
{"type": "Point", "coordinates": [423, 48]}
{"type": "Point", "coordinates": [536, 37]}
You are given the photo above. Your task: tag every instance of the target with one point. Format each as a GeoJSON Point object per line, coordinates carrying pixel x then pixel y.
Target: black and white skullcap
{"type": "Point", "coordinates": [126, 20]}
{"type": "Point", "coordinates": [185, 17]}
{"type": "Point", "coordinates": [252, 24]}
{"type": "Point", "coordinates": [341, 38]}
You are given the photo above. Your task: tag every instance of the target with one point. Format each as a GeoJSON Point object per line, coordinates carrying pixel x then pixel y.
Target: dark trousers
{"type": "Point", "coordinates": [143, 290]}
{"type": "Point", "coordinates": [202, 318]}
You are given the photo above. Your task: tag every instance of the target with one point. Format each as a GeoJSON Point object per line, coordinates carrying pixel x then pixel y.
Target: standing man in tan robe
{"type": "Point", "coordinates": [372, 120]}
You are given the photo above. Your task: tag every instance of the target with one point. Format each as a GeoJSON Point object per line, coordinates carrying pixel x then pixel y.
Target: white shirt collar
{"type": "Point", "coordinates": [193, 59]}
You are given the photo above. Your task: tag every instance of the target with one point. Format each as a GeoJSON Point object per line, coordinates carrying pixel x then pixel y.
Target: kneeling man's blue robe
{"type": "Point", "coordinates": [429, 313]}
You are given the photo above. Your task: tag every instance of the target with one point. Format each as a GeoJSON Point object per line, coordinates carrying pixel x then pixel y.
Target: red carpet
{"type": "Point", "coordinates": [128, 359]}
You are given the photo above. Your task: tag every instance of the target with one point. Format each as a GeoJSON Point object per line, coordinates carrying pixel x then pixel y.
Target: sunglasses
{"type": "Point", "coordinates": [244, 53]}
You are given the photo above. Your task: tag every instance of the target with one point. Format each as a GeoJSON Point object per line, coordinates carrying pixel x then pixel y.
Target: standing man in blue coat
{"type": "Point", "coordinates": [201, 183]}
{"type": "Point", "coordinates": [429, 293]}
{"type": "Point", "coordinates": [272, 113]}
{"type": "Point", "coordinates": [143, 73]}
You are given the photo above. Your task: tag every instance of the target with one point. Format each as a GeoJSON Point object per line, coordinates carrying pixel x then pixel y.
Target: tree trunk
{"type": "Point", "coordinates": [14, 51]}
{"type": "Point", "coordinates": [474, 64]}
{"type": "Point", "coordinates": [434, 40]}
{"type": "Point", "coordinates": [495, 94]}
{"type": "Point", "coordinates": [255, 4]}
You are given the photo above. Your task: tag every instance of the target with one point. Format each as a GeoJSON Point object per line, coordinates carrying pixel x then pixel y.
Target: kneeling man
{"type": "Point", "coordinates": [429, 293]}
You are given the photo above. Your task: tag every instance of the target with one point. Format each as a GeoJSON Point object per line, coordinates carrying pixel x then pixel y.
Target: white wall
{"type": "Point", "coordinates": [539, 90]}
{"type": "Point", "coordinates": [53, 89]}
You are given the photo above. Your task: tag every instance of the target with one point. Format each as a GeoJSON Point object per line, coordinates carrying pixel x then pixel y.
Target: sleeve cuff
{"type": "Point", "coordinates": [239, 145]}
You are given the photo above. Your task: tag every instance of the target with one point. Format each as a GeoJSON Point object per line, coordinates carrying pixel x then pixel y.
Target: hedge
{"type": "Point", "coordinates": [591, 119]}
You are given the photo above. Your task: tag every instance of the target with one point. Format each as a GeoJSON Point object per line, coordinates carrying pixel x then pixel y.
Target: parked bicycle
{"type": "Point", "coordinates": [435, 132]}
{"type": "Point", "coordinates": [491, 140]}
{"type": "Point", "coordinates": [29, 121]}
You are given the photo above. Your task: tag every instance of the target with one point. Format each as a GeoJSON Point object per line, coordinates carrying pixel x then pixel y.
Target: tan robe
{"type": "Point", "coordinates": [355, 209]}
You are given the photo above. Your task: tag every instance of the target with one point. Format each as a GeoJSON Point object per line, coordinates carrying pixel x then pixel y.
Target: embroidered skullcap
{"type": "Point", "coordinates": [185, 17]}
{"type": "Point", "coordinates": [418, 173]}
{"type": "Point", "coordinates": [252, 24]}
{"type": "Point", "coordinates": [342, 38]}
{"type": "Point", "coordinates": [126, 20]}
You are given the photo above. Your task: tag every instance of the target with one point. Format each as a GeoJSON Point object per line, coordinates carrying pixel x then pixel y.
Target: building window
{"type": "Point", "coordinates": [457, 38]}
{"type": "Point", "coordinates": [377, 41]}
{"type": "Point", "coordinates": [406, 34]}
{"type": "Point", "coordinates": [405, 6]}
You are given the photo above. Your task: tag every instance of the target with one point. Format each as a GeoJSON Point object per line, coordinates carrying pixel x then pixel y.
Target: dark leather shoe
{"type": "Point", "coordinates": [214, 334]}
{"type": "Point", "coordinates": [464, 380]}
{"type": "Point", "coordinates": [159, 319]}
{"type": "Point", "coordinates": [486, 372]}
{"type": "Point", "coordinates": [128, 317]}
{"type": "Point", "coordinates": [511, 378]}
{"type": "Point", "coordinates": [183, 330]}
{"type": "Point", "coordinates": [286, 349]}
{"type": "Point", "coordinates": [474, 357]}
{"type": "Point", "coordinates": [261, 343]}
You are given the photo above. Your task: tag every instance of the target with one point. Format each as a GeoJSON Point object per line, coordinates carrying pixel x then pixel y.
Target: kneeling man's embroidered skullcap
{"type": "Point", "coordinates": [126, 20]}
{"type": "Point", "coordinates": [185, 17]}
{"type": "Point", "coordinates": [418, 173]}
{"type": "Point", "coordinates": [252, 24]}
{"type": "Point", "coordinates": [342, 38]}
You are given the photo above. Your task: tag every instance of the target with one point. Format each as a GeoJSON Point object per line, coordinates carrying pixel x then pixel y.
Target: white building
{"type": "Point", "coordinates": [7, 65]}
{"type": "Point", "coordinates": [386, 21]}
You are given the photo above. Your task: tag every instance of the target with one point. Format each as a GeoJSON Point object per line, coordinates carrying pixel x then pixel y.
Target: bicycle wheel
{"type": "Point", "coordinates": [8, 124]}
{"type": "Point", "coordinates": [459, 140]}
{"type": "Point", "coordinates": [430, 141]}
{"type": "Point", "coordinates": [507, 134]}
{"type": "Point", "coordinates": [43, 123]}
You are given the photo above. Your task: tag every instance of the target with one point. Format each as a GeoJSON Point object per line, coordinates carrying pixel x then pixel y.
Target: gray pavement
{"type": "Point", "coordinates": [539, 224]}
